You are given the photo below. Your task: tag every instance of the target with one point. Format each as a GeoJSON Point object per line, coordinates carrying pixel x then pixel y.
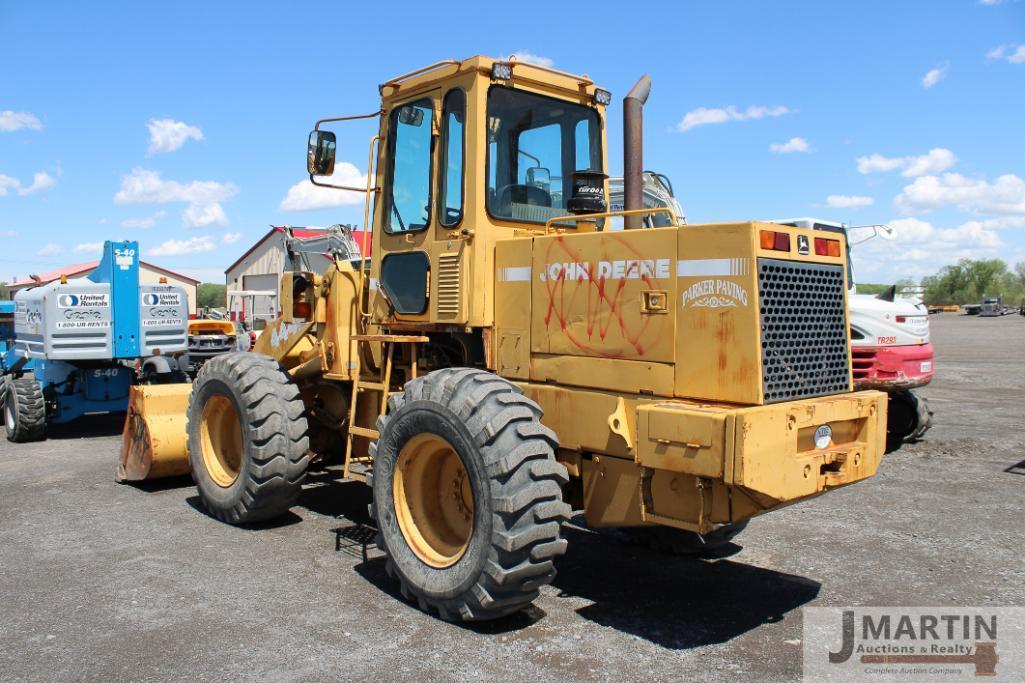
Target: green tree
{"type": "Point", "coordinates": [968, 281]}
{"type": "Point", "coordinates": [210, 295]}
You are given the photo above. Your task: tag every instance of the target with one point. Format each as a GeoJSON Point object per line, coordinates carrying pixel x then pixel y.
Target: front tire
{"type": "Point", "coordinates": [248, 447]}
{"type": "Point", "coordinates": [468, 495]}
{"type": "Point", "coordinates": [24, 410]}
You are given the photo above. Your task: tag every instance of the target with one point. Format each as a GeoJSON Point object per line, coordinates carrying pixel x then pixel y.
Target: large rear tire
{"type": "Point", "coordinates": [248, 447]}
{"type": "Point", "coordinates": [468, 495]}
{"type": "Point", "coordinates": [24, 410]}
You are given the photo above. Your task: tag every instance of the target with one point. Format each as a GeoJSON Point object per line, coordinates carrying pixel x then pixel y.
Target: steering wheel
{"type": "Point", "coordinates": [522, 194]}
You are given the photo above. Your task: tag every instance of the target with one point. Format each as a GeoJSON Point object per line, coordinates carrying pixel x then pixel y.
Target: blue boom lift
{"type": "Point", "coordinates": [78, 345]}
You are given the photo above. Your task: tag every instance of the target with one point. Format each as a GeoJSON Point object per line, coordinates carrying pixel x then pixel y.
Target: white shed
{"type": "Point", "coordinates": [252, 281]}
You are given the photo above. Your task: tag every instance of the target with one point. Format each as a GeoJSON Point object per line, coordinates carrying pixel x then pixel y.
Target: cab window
{"type": "Point", "coordinates": [535, 144]}
{"type": "Point", "coordinates": [451, 180]}
{"type": "Point", "coordinates": [408, 201]}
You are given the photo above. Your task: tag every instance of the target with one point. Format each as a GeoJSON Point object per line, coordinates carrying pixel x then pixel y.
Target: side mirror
{"type": "Point", "coordinates": [411, 115]}
{"type": "Point", "coordinates": [320, 153]}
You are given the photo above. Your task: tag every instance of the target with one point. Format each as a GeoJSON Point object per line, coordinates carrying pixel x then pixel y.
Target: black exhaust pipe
{"type": "Point", "coordinates": [633, 150]}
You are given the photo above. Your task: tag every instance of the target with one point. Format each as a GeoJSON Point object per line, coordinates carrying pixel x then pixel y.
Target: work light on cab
{"type": "Point", "coordinates": [501, 71]}
{"type": "Point", "coordinates": [602, 97]}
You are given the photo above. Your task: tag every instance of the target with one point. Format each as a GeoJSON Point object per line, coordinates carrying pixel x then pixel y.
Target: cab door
{"type": "Point", "coordinates": [406, 212]}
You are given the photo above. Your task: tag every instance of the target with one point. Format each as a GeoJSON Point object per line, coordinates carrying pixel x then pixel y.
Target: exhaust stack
{"type": "Point", "coordinates": [633, 150]}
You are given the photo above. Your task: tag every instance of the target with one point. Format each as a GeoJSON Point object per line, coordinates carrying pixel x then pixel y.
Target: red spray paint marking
{"type": "Point", "coordinates": [598, 300]}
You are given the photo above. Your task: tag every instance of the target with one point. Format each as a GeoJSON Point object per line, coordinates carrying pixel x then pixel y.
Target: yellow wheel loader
{"type": "Point", "coordinates": [507, 357]}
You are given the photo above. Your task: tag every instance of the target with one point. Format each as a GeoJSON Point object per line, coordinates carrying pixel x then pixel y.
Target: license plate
{"type": "Point", "coordinates": [926, 366]}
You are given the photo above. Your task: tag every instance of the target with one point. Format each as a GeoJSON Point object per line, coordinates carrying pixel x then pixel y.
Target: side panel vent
{"type": "Point", "coordinates": [449, 284]}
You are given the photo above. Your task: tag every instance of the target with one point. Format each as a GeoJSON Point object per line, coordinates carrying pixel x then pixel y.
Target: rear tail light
{"type": "Point", "coordinates": [901, 319]}
{"type": "Point", "coordinates": [776, 241]}
{"type": "Point", "coordinates": [825, 247]}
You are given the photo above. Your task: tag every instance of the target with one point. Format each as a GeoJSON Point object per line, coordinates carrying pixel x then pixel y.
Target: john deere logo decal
{"type": "Point", "coordinates": [802, 245]}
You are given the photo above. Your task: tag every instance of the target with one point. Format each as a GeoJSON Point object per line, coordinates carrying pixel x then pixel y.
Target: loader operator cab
{"type": "Point", "coordinates": [469, 153]}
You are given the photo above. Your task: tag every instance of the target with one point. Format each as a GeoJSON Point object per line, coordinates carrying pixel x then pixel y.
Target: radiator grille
{"type": "Point", "coordinates": [804, 330]}
{"type": "Point", "coordinates": [448, 284]}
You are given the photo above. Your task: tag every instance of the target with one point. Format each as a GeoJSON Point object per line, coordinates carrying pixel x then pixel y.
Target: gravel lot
{"type": "Point", "coordinates": [107, 582]}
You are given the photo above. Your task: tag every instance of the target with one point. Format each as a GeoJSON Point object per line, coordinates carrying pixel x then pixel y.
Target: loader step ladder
{"type": "Point", "coordinates": [357, 466]}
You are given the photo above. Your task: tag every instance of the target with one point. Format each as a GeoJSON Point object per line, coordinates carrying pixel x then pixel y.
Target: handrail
{"type": "Point", "coordinates": [608, 214]}
{"type": "Point", "coordinates": [394, 83]}
{"type": "Point", "coordinates": [367, 231]}
{"type": "Point", "coordinates": [586, 80]}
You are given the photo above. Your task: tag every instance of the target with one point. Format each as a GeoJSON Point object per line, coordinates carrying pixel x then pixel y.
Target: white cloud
{"type": "Point", "coordinates": [1003, 222]}
{"type": "Point", "coordinates": [934, 161]}
{"type": "Point", "coordinates": [89, 248]}
{"type": "Point", "coordinates": [703, 116]}
{"type": "Point", "coordinates": [15, 120]}
{"type": "Point", "coordinates": [8, 233]}
{"type": "Point", "coordinates": [102, 221]}
{"type": "Point", "coordinates": [143, 186]}
{"type": "Point", "coordinates": [168, 135]}
{"type": "Point", "coordinates": [203, 215]}
{"type": "Point", "coordinates": [934, 76]}
{"type": "Point", "coordinates": [7, 182]}
{"type": "Point", "coordinates": [143, 223]}
{"type": "Point", "coordinates": [843, 201]}
{"type": "Point", "coordinates": [305, 196]}
{"type": "Point", "coordinates": [927, 247]}
{"type": "Point", "coordinates": [991, 3]}
{"type": "Point", "coordinates": [231, 237]}
{"type": "Point", "coordinates": [911, 230]}
{"type": "Point", "coordinates": [193, 245]}
{"type": "Point", "coordinates": [40, 181]}
{"type": "Point", "coordinates": [791, 145]}
{"type": "Point", "coordinates": [970, 234]}
{"type": "Point", "coordinates": [1014, 54]}
{"type": "Point", "coordinates": [912, 255]}
{"type": "Point", "coordinates": [528, 56]}
{"type": "Point", "coordinates": [877, 163]}
{"type": "Point", "coordinates": [1006, 195]}
{"type": "Point", "coordinates": [50, 249]}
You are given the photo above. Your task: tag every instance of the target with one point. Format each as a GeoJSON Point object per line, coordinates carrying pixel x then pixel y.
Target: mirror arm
{"type": "Point", "coordinates": [340, 187]}
{"type": "Point", "coordinates": [377, 113]}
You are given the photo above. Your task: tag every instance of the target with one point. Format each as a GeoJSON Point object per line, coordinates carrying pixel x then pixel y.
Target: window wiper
{"type": "Point", "coordinates": [395, 210]}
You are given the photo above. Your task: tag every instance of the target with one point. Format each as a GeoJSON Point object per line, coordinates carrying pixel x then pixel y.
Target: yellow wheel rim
{"type": "Point", "coordinates": [433, 500]}
{"type": "Point", "coordinates": [221, 440]}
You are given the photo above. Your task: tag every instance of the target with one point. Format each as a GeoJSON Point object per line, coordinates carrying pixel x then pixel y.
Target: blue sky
{"type": "Point", "coordinates": [183, 125]}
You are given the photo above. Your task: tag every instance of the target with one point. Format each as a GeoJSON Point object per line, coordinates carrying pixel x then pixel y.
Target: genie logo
{"type": "Point", "coordinates": [150, 300]}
